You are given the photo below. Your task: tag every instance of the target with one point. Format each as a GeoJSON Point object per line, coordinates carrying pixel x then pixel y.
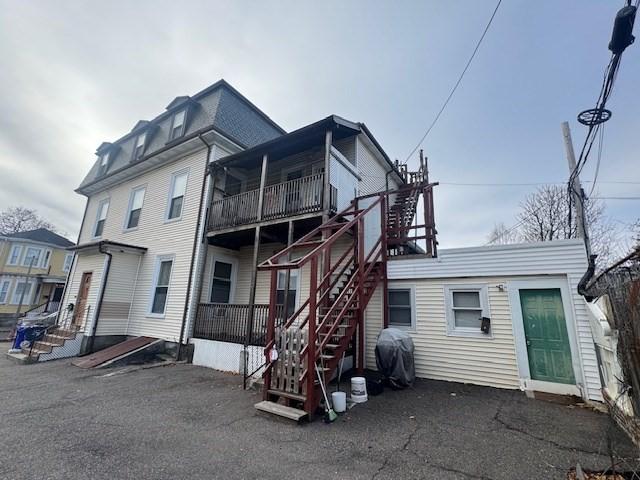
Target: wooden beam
{"type": "Point", "coordinates": [326, 201]}
{"type": "Point", "coordinates": [263, 181]}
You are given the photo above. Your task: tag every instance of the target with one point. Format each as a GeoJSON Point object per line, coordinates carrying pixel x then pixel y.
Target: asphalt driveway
{"type": "Point", "coordinates": [186, 422]}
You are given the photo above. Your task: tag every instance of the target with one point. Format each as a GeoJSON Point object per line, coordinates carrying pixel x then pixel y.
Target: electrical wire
{"type": "Point", "coordinates": [595, 175]}
{"type": "Point", "coordinates": [455, 87]}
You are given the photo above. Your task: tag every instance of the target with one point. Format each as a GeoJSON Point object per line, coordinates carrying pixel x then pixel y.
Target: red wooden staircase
{"type": "Point", "coordinates": [345, 260]}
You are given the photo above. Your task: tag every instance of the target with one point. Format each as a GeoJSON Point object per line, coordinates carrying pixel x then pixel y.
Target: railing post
{"type": "Point", "coordinates": [383, 243]}
{"type": "Point", "coordinates": [361, 256]}
{"type": "Point", "coordinates": [311, 347]}
{"type": "Point", "coordinates": [271, 331]}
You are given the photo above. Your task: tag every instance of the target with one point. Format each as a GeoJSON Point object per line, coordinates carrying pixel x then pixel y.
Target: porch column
{"type": "Point", "coordinates": [256, 248]}
{"type": "Point", "coordinates": [326, 201]}
{"type": "Point", "coordinates": [288, 273]}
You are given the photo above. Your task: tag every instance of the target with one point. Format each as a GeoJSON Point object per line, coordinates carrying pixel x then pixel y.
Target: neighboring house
{"type": "Point", "coordinates": [42, 285]}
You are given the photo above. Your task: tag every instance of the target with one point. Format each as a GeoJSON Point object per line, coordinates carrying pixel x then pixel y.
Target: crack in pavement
{"type": "Point", "coordinates": [405, 447]}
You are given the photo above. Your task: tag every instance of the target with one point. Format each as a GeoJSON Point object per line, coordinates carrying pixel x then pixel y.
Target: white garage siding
{"type": "Point", "coordinates": [485, 361]}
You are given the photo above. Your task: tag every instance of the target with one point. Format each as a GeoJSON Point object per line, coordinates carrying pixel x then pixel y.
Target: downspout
{"type": "Point", "coordinates": [193, 249]}
{"type": "Point", "coordinates": [105, 275]}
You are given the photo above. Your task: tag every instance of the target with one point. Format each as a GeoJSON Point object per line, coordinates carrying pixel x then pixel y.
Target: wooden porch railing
{"type": "Point", "coordinates": [228, 322]}
{"type": "Point", "coordinates": [282, 200]}
{"type": "Point", "coordinates": [302, 195]}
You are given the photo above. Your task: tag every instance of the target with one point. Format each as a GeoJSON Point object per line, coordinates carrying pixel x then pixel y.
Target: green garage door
{"type": "Point", "coordinates": [545, 330]}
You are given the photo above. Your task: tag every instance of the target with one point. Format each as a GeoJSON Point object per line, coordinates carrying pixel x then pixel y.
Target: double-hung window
{"type": "Point", "coordinates": [176, 195]}
{"type": "Point", "coordinates": [104, 164]}
{"type": "Point", "coordinates": [292, 293]}
{"type": "Point", "coordinates": [160, 292]}
{"type": "Point", "coordinates": [68, 260]}
{"type": "Point", "coordinates": [465, 307]}
{"type": "Point", "coordinates": [32, 257]}
{"type": "Point", "coordinates": [177, 124]}
{"type": "Point", "coordinates": [101, 217]}
{"type": "Point", "coordinates": [222, 281]}
{"type": "Point", "coordinates": [14, 256]}
{"type": "Point", "coordinates": [136, 200]}
{"type": "Point", "coordinates": [45, 258]}
{"type": "Point", "coordinates": [401, 307]}
{"type": "Point", "coordinates": [138, 147]}
{"type": "Point", "coordinates": [4, 290]}
{"type": "Point", "coordinates": [22, 286]}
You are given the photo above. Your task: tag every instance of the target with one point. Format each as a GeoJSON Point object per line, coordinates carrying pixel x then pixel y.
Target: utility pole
{"type": "Point", "coordinates": [576, 189]}
{"type": "Point", "coordinates": [24, 288]}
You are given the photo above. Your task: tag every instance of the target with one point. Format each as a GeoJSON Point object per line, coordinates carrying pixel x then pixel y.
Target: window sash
{"type": "Point", "coordinates": [465, 311]}
{"type": "Point", "coordinates": [4, 290]}
{"type": "Point", "coordinates": [101, 218]}
{"type": "Point", "coordinates": [14, 257]}
{"type": "Point", "coordinates": [68, 260]}
{"type": "Point", "coordinates": [177, 126]}
{"type": "Point", "coordinates": [161, 287]}
{"type": "Point", "coordinates": [136, 200]}
{"type": "Point", "coordinates": [176, 195]}
{"type": "Point", "coordinates": [32, 252]}
{"type": "Point", "coordinates": [398, 311]}
{"type": "Point", "coordinates": [17, 293]}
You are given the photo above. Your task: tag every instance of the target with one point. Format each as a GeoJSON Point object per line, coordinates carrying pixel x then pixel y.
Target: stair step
{"type": "Point", "coordinates": [293, 396]}
{"type": "Point", "coordinates": [281, 410]}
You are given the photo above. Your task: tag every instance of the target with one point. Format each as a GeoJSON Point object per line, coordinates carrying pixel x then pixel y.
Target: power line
{"type": "Point", "coordinates": [455, 87]}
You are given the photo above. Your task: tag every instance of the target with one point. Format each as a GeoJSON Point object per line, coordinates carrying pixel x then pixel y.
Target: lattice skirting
{"type": "Point", "coordinates": [71, 348]}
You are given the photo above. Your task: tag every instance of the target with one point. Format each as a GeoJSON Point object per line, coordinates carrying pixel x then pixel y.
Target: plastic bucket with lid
{"type": "Point", "coordinates": [358, 390]}
{"type": "Point", "coordinates": [339, 401]}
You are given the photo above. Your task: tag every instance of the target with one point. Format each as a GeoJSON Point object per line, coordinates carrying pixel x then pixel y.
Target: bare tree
{"type": "Point", "coordinates": [544, 216]}
{"type": "Point", "coordinates": [501, 235]}
{"type": "Point", "coordinates": [21, 219]}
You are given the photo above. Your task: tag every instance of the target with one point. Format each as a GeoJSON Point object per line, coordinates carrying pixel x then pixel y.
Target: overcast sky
{"type": "Point", "coordinates": [77, 73]}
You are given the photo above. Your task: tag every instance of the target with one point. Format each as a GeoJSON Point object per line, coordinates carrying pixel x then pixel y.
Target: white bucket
{"type": "Point", "coordinates": [339, 401]}
{"type": "Point", "coordinates": [359, 390]}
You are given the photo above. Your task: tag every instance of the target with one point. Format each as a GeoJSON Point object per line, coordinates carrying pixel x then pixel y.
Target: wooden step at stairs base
{"type": "Point", "coordinates": [273, 408]}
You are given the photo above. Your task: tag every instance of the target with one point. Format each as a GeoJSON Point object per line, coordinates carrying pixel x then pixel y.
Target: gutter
{"type": "Point", "coordinates": [193, 249]}
{"type": "Point", "coordinates": [105, 275]}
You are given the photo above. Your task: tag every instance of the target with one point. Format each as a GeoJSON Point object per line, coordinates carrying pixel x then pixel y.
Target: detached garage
{"type": "Point", "coordinates": [506, 316]}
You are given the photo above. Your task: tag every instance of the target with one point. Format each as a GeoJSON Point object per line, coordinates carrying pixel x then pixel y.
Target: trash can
{"type": "Point", "coordinates": [20, 333]}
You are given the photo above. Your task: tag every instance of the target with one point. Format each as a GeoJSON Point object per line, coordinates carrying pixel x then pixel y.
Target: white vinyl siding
{"type": "Point", "coordinates": [485, 361]}
{"type": "Point", "coordinates": [372, 170]}
{"type": "Point", "coordinates": [159, 237]}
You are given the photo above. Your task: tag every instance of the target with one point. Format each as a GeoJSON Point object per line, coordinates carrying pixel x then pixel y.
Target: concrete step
{"type": "Point", "coordinates": [21, 358]}
{"type": "Point", "coordinates": [281, 410]}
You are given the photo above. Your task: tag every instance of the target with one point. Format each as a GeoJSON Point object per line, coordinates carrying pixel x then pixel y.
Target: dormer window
{"type": "Point", "coordinates": [104, 163]}
{"type": "Point", "coordinates": [177, 124]}
{"type": "Point", "coordinates": [138, 148]}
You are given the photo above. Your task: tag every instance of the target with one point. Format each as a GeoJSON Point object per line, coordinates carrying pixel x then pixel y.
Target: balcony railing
{"type": "Point", "coordinates": [282, 200]}
{"type": "Point", "coordinates": [228, 322]}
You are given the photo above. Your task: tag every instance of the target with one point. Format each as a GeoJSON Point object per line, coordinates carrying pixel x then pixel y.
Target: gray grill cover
{"type": "Point", "coordinates": [394, 357]}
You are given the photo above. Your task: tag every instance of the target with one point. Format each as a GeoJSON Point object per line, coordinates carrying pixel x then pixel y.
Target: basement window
{"type": "Point", "coordinates": [465, 307]}
{"type": "Point", "coordinates": [401, 306]}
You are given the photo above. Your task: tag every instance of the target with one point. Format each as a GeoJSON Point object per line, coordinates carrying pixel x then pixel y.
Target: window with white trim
{"type": "Point", "coordinates": [14, 256]}
{"type": "Point", "coordinates": [138, 147]}
{"type": "Point", "coordinates": [401, 307]}
{"type": "Point", "coordinates": [17, 293]}
{"type": "Point", "coordinates": [32, 254]}
{"type": "Point", "coordinates": [136, 199]}
{"type": "Point", "coordinates": [45, 258]}
{"type": "Point", "coordinates": [177, 124]}
{"type": "Point", "coordinates": [101, 217]}
{"type": "Point", "coordinates": [160, 291]}
{"type": "Point", "coordinates": [4, 290]}
{"type": "Point", "coordinates": [291, 294]}
{"type": "Point", "coordinates": [176, 195]}
{"type": "Point", "coordinates": [465, 307]}
{"type": "Point", "coordinates": [68, 260]}
{"type": "Point", "coordinates": [221, 281]}
{"type": "Point", "coordinates": [104, 163]}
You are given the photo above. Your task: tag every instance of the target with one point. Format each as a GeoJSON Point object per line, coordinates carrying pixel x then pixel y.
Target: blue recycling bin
{"type": "Point", "coordinates": [20, 333]}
